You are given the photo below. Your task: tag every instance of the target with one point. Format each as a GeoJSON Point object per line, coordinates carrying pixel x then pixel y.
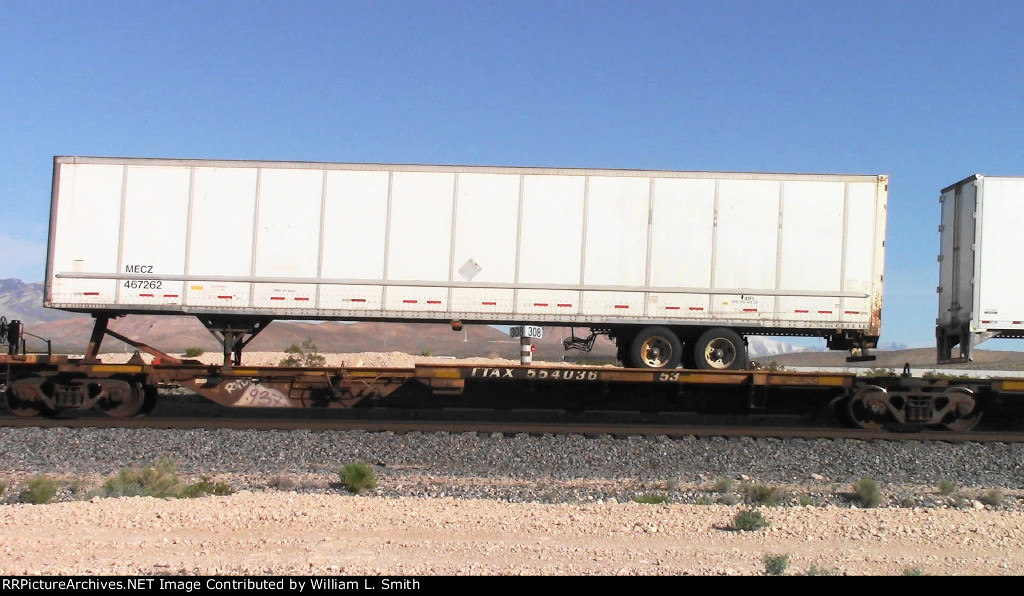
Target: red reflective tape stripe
{"type": "Point", "coordinates": [433, 302]}
{"type": "Point", "coordinates": [824, 312]}
{"type": "Point", "coordinates": [302, 298]}
{"type": "Point", "coordinates": [696, 308]}
{"type": "Point", "coordinates": [621, 306]}
{"type": "Point", "coordinates": [226, 297]}
{"type": "Point", "coordinates": [146, 296]}
{"type": "Point", "coordinates": [170, 295]}
{"type": "Point", "coordinates": [358, 299]}
{"type": "Point", "coordinates": [803, 310]}
{"type": "Point", "coordinates": [540, 303]}
{"type": "Point", "coordinates": [92, 293]}
{"type": "Point", "coordinates": [490, 303]}
{"type": "Point", "coordinates": [565, 305]}
{"type": "Point", "coordinates": [409, 301]}
{"type": "Point", "coordinates": [277, 297]}
{"type": "Point", "coordinates": [986, 322]}
{"type": "Point", "coordinates": [851, 312]}
{"type": "Point", "coordinates": [749, 310]}
{"type": "Point", "coordinates": [1016, 322]}
{"type": "Point", "coordinates": [671, 308]}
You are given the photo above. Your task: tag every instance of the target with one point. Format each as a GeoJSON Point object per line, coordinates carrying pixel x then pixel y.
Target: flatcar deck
{"type": "Point", "coordinates": [46, 384]}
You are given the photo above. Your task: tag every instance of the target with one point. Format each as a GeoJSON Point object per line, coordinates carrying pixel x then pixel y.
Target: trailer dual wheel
{"type": "Point", "coordinates": [655, 347]}
{"type": "Point", "coordinates": [720, 349]}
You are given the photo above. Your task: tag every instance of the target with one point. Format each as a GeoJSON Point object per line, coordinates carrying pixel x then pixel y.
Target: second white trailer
{"type": "Point", "coordinates": [981, 277]}
{"type": "Point", "coordinates": [675, 266]}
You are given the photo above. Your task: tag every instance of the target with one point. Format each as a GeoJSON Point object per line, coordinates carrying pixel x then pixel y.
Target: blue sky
{"type": "Point", "coordinates": [927, 92]}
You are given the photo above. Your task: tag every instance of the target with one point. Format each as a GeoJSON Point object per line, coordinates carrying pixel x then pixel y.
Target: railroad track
{"type": "Point", "coordinates": [543, 423]}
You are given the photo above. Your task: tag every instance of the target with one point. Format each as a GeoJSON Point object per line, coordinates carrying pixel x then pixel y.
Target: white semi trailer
{"type": "Point", "coordinates": [981, 276]}
{"type": "Point", "coordinates": [676, 267]}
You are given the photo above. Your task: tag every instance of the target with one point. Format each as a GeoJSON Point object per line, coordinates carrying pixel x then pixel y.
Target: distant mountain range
{"type": "Point", "coordinates": [69, 332]}
{"type": "Point", "coordinates": [24, 302]}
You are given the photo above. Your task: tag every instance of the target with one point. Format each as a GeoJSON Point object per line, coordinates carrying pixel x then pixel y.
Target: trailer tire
{"type": "Point", "coordinates": [655, 347]}
{"type": "Point", "coordinates": [720, 349]}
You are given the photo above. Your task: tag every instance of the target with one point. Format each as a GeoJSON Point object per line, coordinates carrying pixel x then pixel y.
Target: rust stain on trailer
{"type": "Point", "coordinates": [875, 321]}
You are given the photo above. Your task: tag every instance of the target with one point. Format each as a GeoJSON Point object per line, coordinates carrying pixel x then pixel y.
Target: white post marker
{"type": "Point", "coordinates": [526, 334]}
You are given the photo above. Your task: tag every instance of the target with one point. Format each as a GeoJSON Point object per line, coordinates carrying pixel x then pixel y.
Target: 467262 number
{"type": "Point", "coordinates": [143, 284]}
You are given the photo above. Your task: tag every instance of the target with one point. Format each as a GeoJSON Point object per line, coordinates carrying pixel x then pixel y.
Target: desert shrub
{"type": "Point", "coordinates": [913, 572]}
{"type": "Point", "coordinates": [79, 486]}
{"type": "Point", "coordinates": [809, 501]}
{"type": "Point", "coordinates": [877, 372]}
{"type": "Point", "coordinates": [760, 494]}
{"type": "Point", "coordinates": [749, 520]}
{"type": "Point", "coordinates": [39, 490]}
{"type": "Point", "coordinates": [993, 497]}
{"type": "Point", "coordinates": [775, 563]}
{"type": "Point", "coordinates": [3, 487]}
{"type": "Point", "coordinates": [938, 376]}
{"type": "Point", "coordinates": [867, 492]}
{"type": "Point", "coordinates": [946, 487]}
{"type": "Point", "coordinates": [204, 488]}
{"type": "Point", "coordinates": [358, 477]}
{"type": "Point", "coordinates": [160, 480]}
{"type": "Point", "coordinates": [193, 352]}
{"type": "Point", "coordinates": [651, 499]}
{"type": "Point", "coordinates": [817, 571]}
{"type": "Point", "coordinates": [305, 355]}
{"type": "Point", "coordinates": [722, 485]}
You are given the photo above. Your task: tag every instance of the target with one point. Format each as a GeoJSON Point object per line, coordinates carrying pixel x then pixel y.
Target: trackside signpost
{"type": "Point", "coordinates": [526, 335]}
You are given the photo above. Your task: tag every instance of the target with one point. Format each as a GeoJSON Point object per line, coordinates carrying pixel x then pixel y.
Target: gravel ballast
{"type": "Point", "coordinates": [506, 467]}
{"type": "Point", "coordinates": [492, 504]}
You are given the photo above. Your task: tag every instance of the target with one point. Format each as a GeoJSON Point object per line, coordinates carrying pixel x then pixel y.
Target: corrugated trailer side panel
{"type": "Point", "coordinates": [1000, 269]}
{"type": "Point", "coordinates": [762, 251]}
{"type": "Point", "coordinates": [220, 238]}
{"type": "Point", "coordinates": [485, 254]}
{"type": "Point", "coordinates": [355, 226]}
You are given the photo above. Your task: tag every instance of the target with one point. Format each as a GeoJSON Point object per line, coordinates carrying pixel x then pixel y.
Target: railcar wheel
{"type": "Point", "coordinates": [967, 413]}
{"type": "Point", "coordinates": [720, 349]}
{"type": "Point", "coordinates": [655, 347]}
{"type": "Point", "coordinates": [131, 402]}
{"type": "Point", "coordinates": [23, 409]}
{"type": "Point", "coordinates": [867, 408]}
